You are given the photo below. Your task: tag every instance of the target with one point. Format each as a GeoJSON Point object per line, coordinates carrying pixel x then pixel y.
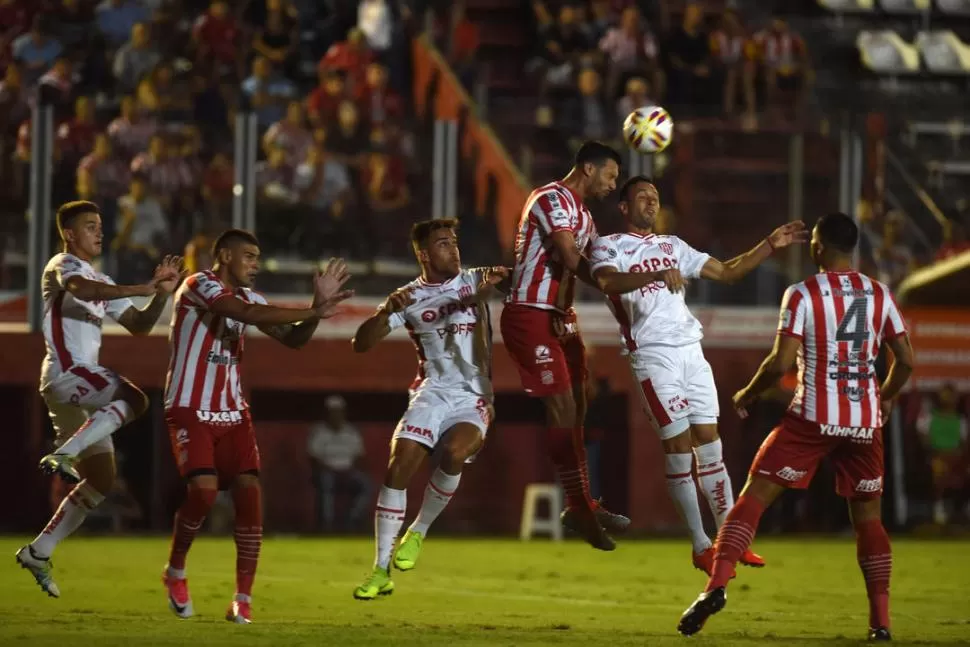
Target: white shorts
{"type": "Point", "coordinates": [73, 394]}
{"type": "Point", "coordinates": [432, 412]}
{"type": "Point", "coordinates": [677, 385]}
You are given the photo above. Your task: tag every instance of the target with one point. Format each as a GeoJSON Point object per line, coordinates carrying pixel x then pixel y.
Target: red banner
{"type": "Point", "coordinates": [941, 343]}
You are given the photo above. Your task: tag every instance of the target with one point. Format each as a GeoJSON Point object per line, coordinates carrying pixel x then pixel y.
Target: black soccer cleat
{"type": "Point", "coordinates": [611, 522]}
{"type": "Point", "coordinates": [880, 634]}
{"type": "Point", "coordinates": [706, 605]}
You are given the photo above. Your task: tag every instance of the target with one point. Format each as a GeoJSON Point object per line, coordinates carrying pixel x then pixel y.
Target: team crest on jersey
{"type": "Point", "coordinates": [666, 248]}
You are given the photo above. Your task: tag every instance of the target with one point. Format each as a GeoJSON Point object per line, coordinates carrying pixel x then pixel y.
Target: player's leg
{"type": "Point", "coordinates": [679, 462]}
{"type": "Point", "coordinates": [193, 445]}
{"type": "Point", "coordinates": [461, 441]}
{"type": "Point", "coordinates": [237, 455]}
{"type": "Point", "coordinates": [858, 465]}
{"type": "Point", "coordinates": [116, 402]}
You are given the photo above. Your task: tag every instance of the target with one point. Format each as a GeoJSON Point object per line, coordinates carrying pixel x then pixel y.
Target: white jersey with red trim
{"type": "Point", "coordinates": [207, 348]}
{"type": "Point", "coordinates": [841, 318]}
{"type": "Point", "coordinates": [539, 278]}
{"type": "Point", "coordinates": [652, 315]}
{"type": "Point", "coordinates": [72, 327]}
{"type": "Point", "coordinates": [453, 340]}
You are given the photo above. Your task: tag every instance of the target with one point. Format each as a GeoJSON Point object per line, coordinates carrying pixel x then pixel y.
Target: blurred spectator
{"type": "Point", "coordinates": [36, 50]}
{"type": "Point", "coordinates": [324, 185]}
{"type": "Point", "coordinates": [211, 107]}
{"type": "Point", "coordinates": [590, 117]}
{"type": "Point", "coordinates": [77, 134]}
{"type": "Point", "coordinates": [216, 36]}
{"type": "Point", "coordinates": [217, 183]}
{"type": "Point", "coordinates": [348, 139]}
{"type": "Point", "coordinates": [324, 102]}
{"type": "Point", "coordinates": [786, 67]}
{"type": "Point", "coordinates": [13, 100]}
{"type": "Point", "coordinates": [198, 253]}
{"type": "Point", "coordinates": [602, 18]}
{"type": "Point", "coordinates": [954, 240]}
{"type": "Point", "coordinates": [277, 37]}
{"type": "Point", "coordinates": [375, 21]}
{"type": "Point", "coordinates": [564, 46]}
{"type": "Point", "coordinates": [291, 134]}
{"type": "Point", "coordinates": [16, 16]}
{"type": "Point", "coordinates": [160, 94]}
{"type": "Point", "coordinates": [106, 175]}
{"type": "Point", "coordinates": [943, 430]}
{"type": "Point", "coordinates": [631, 47]}
{"type": "Point", "coordinates": [893, 257]}
{"type": "Point", "coordinates": [57, 84]}
{"type": "Point", "coordinates": [141, 231]}
{"type": "Point", "coordinates": [463, 46]}
{"type": "Point", "coordinates": [384, 183]}
{"type": "Point", "coordinates": [165, 174]}
{"type": "Point", "coordinates": [547, 137]}
{"type": "Point", "coordinates": [135, 59]}
{"type": "Point", "coordinates": [274, 179]}
{"type": "Point", "coordinates": [636, 96]}
{"type": "Point", "coordinates": [349, 57]}
{"type": "Point", "coordinates": [689, 59]}
{"type": "Point", "coordinates": [335, 447]}
{"type": "Point", "coordinates": [116, 19]}
{"type": "Point", "coordinates": [733, 52]}
{"type": "Point", "coordinates": [375, 100]}
{"type": "Point", "coordinates": [268, 92]}
{"type": "Point", "coordinates": [73, 22]}
{"type": "Point", "coordinates": [130, 133]}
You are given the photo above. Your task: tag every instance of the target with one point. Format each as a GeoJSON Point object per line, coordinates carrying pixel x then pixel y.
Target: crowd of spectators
{"type": "Point", "coordinates": [145, 94]}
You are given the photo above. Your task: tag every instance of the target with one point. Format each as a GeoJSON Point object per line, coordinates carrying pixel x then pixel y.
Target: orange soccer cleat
{"type": "Point", "coordinates": [750, 558]}
{"type": "Point", "coordinates": [704, 561]}
{"type": "Point", "coordinates": [179, 600]}
{"type": "Point", "coordinates": [239, 612]}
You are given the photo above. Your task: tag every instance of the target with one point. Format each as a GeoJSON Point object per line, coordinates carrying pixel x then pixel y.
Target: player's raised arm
{"type": "Point", "coordinates": [87, 289]}
{"type": "Point", "coordinates": [740, 266]}
{"type": "Point", "coordinates": [494, 282]}
{"type": "Point", "coordinates": [257, 314]}
{"type": "Point", "coordinates": [380, 324]}
{"type": "Point", "coordinates": [327, 289]}
{"type": "Point", "coordinates": [141, 322]}
{"type": "Point", "coordinates": [604, 272]}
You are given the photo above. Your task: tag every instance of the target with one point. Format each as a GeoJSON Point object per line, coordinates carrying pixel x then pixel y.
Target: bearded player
{"type": "Point", "coordinates": [662, 341]}
{"type": "Point", "coordinates": [208, 418]}
{"type": "Point", "coordinates": [87, 402]}
{"type": "Point", "coordinates": [539, 326]}
{"type": "Point", "coordinates": [450, 405]}
{"type": "Point", "coordinates": [834, 324]}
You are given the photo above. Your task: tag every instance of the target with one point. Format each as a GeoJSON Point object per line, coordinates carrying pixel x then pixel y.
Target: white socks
{"type": "Point", "coordinates": [441, 487]}
{"type": "Point", "coordinates": [102, 423]}
{"type": "Point", "coordinates": [388, 519]}
{"type": "Point", "coordinates": [68, 518]}
{"type": "Point", "coordinates": [680, 484]}
{"type": "Point", "coordinates": [714, 481]}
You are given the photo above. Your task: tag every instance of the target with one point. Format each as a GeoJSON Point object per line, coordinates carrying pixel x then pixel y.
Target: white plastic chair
{"type": "Point", "coordinates": [532, 524]}
{"type": "Point", "coordinates": [884, 52]}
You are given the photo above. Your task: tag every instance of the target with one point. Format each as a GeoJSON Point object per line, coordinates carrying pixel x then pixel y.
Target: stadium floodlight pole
{"type": "Point", "coordinates": [438, 171]}
{"type": "Point", "coordinates": [39, 221]}
{"type": "Point", "coordinates": [252, 140]}
{"type": "Point", "coordinates": [855, 186]}
{"type": "Point", "coordinates": [451, 169]}
{"type": "Point", "coordinates": [845, 169]}
{"type": "Point", "coordinates": [796, 199]}
{"type": "Point", "coordinates": [239, 171]}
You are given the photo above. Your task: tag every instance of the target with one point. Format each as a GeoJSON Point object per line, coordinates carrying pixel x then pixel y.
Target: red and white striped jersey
{"type": "Point", "coordinates": [842, 318]}
{"type": "Point", "coordinates": [539, 278]}
{"type": "Point", "coordinates": [453, 340]}
{"type": "Point", "coordinates": [652, 315]}
{"type": "Point", "coordinates": [72, 328]}
{"type": "Point", "coordinates": [206, 348]}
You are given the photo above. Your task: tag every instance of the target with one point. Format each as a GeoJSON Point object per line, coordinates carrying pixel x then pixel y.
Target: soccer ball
{"type": "Point", "coordinates": [649, 129]}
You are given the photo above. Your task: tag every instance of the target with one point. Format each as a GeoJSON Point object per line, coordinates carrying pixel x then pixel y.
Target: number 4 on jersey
{"type": "Point", "coordinates": [852, 328]}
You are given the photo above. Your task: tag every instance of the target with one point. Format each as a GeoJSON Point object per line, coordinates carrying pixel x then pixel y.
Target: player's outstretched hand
{"type": "Point", "coordinates": [497, 274]}
{"type": "Point", "coordinates": [742, 400]}
{"type": "Point", "coordinates": [886, 406]}
{"type": "Point", "coordinates": [329, 308]}
{"type": "Point", "coordinates": [789, 234]}
{"type": "Point", "coordinates": [398, 300]}
{"type": "Point", "coordinates": [167, 274]}
{"type": "Point", "coordinates": [330, 281]}
{"type": "Point", "coordinates": [674, 280]}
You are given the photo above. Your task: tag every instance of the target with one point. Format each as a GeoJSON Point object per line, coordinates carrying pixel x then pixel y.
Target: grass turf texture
{"type": "Point", "coordinates": [479, 592]}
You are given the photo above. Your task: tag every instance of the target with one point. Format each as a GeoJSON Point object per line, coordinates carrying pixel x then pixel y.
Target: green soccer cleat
{"type": "Point", "coordinates": [61, 464]}
{"type": "Point", "coordinates": [378, 583]}
{"type": "Point", "coordinates": [408, 551]}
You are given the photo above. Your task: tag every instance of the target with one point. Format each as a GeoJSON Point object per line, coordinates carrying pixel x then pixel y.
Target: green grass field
{"type": "Point", "coordinates": [478, 592]}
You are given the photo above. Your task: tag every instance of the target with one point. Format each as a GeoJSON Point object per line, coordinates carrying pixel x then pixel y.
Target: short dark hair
{"type": "Point", "coordinates": [632, 182]}
{"type": "Point", "coordinates": [230, 236]}
{"type": "Point", "coordinates": [421, 231]}
{"type": "Point", "coordinates": [68, 211]}
{"type": "Point", "coordinates": [838, 232]}
{"type": "Point", "coordinates": [593, 152]}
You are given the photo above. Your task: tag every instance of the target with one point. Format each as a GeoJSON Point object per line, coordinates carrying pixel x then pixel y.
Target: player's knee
{"type": "Point", "coordinates": [561, 409]}
{"type": "Point", "coordinates": [204, 496]}
{"type": "Point", "coordinates": [458, 450]}
{"type": "Point", "coordinates": [134, 397]}
{"type": "Point", "coordinates": [703, 434]}
{"type": "Point", "coordinates": [865, 510]}
{"type": "Point", "coordinates": [679, 444]}
{"type": "Point", "coordinates": [246, 480]}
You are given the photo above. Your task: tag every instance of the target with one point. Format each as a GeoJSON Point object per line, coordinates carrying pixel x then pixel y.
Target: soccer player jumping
{"type": "Point", "coordinates": [208, 419]}
{"type": "Point", "coordinates": [834, 323]}
{"type": "Point", "coordinates": [87, 402]}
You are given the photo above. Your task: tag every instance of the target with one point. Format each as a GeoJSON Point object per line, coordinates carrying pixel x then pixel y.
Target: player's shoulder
{"type": "Point", "coordinates": [555, 194]}
{"type": "Point", "coordinates": [66, 261]}
{"type": "Point", "coordinates": [202, 277]}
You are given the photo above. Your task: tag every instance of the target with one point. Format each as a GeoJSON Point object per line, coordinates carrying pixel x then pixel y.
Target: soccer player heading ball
{"type": "Point", "coordinates": [835, 323]}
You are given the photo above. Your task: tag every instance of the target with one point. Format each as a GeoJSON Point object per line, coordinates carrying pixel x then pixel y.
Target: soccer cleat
{"type": "Point", "coordinates": [60, 464]}
{"type": "Point", "coordinates": [880, 634]}
{"type": "Point", "coordinates": [586, 524]}
{"type": "Point", "coordinates": [40, 568]}
{"type": "Point", "coordinates": [752, 559]}
{"type": "Point", "coordinates": [408, 551]}
{"type": "Point", "coordinates": [704, 561]}
{"type": "Point", "coordinates": [179, 600]}
{"type": "Point", "coordinates": [706, 605]}
{"type": "Point", "coordinates": [240, 612]}
{"type": "Point", "coordinates": [610, 521]}
{"type": "Point", "coordinates": [378, 583]}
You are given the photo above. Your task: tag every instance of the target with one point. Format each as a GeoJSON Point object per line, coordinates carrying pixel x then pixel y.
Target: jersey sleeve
{"type": "Point", "coordinates": [792, 319]}
{"type": "Point", "coordinates": [257, 298]}
{"type": "Point", "coordinates": [894, 326]}
{"type": "Point", "coordinates": [205, 290]}
{"type": "Point", "coordinates": [396, 320]}
{"type": "Point", "coordinates": [116, 307]}
{"type": "Point", "coordinates": [66, 267]}
{"type": "Point", "coordinates": [551, 213]}
{"type": "Point", "coordinates": [691, 261]}
{"type": "Point", "coordinates": [604, 253]}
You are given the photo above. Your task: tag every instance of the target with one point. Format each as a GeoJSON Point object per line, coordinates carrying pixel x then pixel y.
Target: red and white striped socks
{"type": "Point", "coordinates": [249, 537]}
{"type": "Point", "coordinates": [875, 557]}
{"type": "Point", "coordinates": [733, 538]}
